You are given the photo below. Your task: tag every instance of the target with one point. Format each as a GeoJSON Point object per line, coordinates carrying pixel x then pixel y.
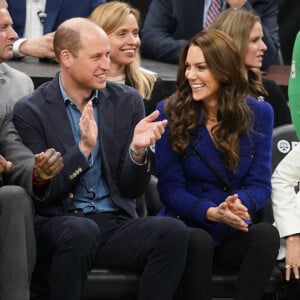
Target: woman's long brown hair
{"type": "Point", "coordinates": [234, 118]}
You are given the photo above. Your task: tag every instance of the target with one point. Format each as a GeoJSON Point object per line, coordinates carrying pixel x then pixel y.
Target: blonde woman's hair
{"type": "Point", "coordinates": [110, 16]}
{"type": "Point", "coordinates": [238, 24]}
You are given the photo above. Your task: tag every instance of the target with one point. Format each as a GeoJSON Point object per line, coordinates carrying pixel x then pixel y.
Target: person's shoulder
{"type": "Point", "coordinates": [262, 111]}
{"type": "Point", "coordinates": [258, 104]}
{"type": "Point", "coordinates": [118, 93]}
{"type": "Point", "coordinates": [260, 108]}
{"type": "Point", "coordinates": [16, 84]}
{"type": "Point", "coordinates": [44, 91]}
{"type": "Point", "coordinates": [114, 87]}
{"type": "Point", "coordinates": [14, 73]}
{"type": "Point", "coordinates": [269, 83]}
{"type": "Point", "coordinates": [160, 105]}
{"type": "Point", "coordinates": [274, 92]}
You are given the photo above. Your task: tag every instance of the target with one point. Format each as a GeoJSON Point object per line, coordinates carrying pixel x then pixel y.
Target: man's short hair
{"type": "Point", "coordinates": [66, 38]}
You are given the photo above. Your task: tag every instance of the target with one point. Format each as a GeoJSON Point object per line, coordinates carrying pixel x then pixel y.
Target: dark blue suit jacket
{"type": "Point", "coordinates": [57, 12]}
{"type": "Point", "coordinates": [191, 183]}
{"type": "Point", "coordinates": [170, 23]}
{"type": "Point", "coordinates": [43, 123]}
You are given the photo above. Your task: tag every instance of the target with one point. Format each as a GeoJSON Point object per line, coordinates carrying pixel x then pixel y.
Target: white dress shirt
{"type": "Point", "coordinates": [33, 25]}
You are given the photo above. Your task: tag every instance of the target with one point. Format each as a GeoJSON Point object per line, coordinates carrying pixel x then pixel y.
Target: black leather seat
{"type": "Point", "coordinates": [284, 140]}
{"type": "Point", "coordinates": [111, 284]}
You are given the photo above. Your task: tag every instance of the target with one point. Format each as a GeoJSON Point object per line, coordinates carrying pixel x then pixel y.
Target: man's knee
{"type": "Point", "coordinates": [172, 231]}
{"type": "Point", "coordinates": [82, 233]}
{"type": "Point", "coordinates": [266, 235]}
{"type": "Point", "coordinates": [15, 198]}
{"type": "Point", "coordinates": [200, 238]}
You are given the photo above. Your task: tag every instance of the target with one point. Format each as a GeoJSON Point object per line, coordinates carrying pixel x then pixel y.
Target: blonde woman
{"type": "Point", "coordinates": [121, 23]}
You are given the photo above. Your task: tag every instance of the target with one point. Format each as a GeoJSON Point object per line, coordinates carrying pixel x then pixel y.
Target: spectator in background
{"type": "Point", "coordinates": [170, 23]}
{"type": "Point", "coordinates": [294, 85]}
{"type": "Point", "coordinates": [214, 167]}
{"type": "Point", "coordinates": [90, 219]}
{"type": "Point", "coordinates": [121, 23]}
{"type": "Point", "coordinates": [36, 20]}
{"type": "Point", "coordinates": [13, 83]}
{"type": "Point", "coordinates": [289, 25]}
{"type": "Point", "coordinates": [245, 28]}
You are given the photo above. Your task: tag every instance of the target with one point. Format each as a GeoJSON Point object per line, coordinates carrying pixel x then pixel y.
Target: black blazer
{"type": "Point", "coordinates": [279, 103]}
{"type": "Point", "coordinates": [42, 121]}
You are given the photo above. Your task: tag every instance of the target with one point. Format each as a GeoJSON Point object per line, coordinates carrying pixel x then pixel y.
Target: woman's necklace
{"type": "Point", "coordinates": [212, 119]}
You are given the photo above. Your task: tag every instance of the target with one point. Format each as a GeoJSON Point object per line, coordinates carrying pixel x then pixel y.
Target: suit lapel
{"type": "Point", "coordinates": [52, 10]}
{"type": "Point", "coordinates": [58, 117]}
{"type": "Point", "coordinates": [107, 119]}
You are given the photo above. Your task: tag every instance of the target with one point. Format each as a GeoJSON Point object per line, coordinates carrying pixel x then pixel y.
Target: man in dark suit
{"type": "Point", "coordinates": [90, 218]}
{"type": "Point", "coordinates": [18, 183]}
{"type": "Point", "coordinates": [289, 25]}
{"type": "Point", "coordinates": [170, 23]}
{"type": "Point", "coordinates": [48, 17]}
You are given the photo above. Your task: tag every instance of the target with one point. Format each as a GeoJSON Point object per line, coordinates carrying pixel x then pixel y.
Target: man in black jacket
{"type": "Point", "coordinates": [170, 23]}
{"type": "Point", "coordinates": [90, 219]}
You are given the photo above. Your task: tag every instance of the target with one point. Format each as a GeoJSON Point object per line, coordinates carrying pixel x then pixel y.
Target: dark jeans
{"type": "Point", "coordinates": [73, 245]}
{"type": "Point", "coordinates": [251, 254]}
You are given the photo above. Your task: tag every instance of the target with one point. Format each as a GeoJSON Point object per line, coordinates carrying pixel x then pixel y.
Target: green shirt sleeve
{"type": "Point", "coordinates": [294, 85]}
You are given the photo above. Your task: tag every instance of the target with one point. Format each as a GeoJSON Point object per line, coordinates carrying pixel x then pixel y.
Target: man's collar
{"type": "Point", "coordinates": [94, 97]}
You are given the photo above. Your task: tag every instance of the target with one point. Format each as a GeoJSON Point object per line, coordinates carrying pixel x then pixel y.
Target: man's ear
{"type": "Point", "coordinates": [66, 58]}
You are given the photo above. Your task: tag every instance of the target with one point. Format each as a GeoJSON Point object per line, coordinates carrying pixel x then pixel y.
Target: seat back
{"type": "Point", "coordinates": [152, 197]}
{"type": "Point", "coordinates": [284, 140]}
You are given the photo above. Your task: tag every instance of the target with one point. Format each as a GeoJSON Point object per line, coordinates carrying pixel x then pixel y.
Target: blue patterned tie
{"type": "Point", "coordinates": [213, 10]}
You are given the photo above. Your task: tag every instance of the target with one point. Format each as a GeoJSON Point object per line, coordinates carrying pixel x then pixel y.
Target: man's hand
{"type": "Point", "coordinates": [48, 164]}
{"type": "Point", "coordinates": [147, 131]}
{"type": "Point", "coordinates": [4, 164]}
{"type": "Point", "coordinates": [41, 47]}
{"type": "Point", "coordinates": [88, 130]}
